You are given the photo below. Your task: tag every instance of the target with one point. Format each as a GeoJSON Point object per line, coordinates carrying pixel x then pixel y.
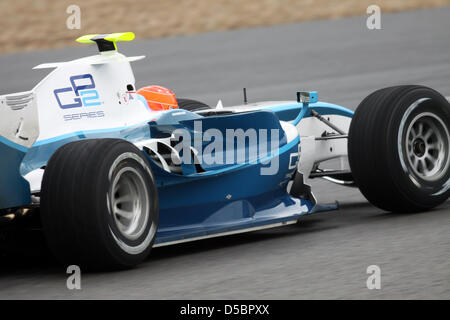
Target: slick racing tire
{"type": "Point", "coordinates": [192, 105]}
{"type": "Point", "coordinates": [398, 148]}
{"type": "Point", "coordinates": [99, 204]}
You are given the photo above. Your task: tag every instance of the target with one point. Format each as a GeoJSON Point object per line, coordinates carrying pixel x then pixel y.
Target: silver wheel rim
{"type": "Point", "coordinates": [427, 146]}
{"type": "Point", "coordinates": [130, 203]}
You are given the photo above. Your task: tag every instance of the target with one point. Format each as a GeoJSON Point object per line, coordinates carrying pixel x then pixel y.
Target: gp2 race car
{"type": "Point", "coordinates": [113, 171]}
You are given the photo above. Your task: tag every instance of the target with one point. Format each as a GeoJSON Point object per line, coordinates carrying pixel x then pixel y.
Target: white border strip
{"type": "Point", "coordinates": [269, 226]}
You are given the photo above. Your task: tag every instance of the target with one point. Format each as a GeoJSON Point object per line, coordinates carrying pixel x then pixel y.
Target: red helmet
{"type": "Point", "coordinates": [158, 98]}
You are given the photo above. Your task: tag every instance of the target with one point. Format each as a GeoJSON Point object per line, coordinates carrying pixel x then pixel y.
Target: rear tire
{"type": "Point", "coordinates": [192, 105]}
{"type": "Point", "coordinates": [99, 204]}
{"type": "Point", "coordinates": [399, 148]}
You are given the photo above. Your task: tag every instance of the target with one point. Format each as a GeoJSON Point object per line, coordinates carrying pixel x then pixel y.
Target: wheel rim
{"type": "Point", "coordinates": [427, 146]}
{"type": "Point", "coordinates": [130, 203]}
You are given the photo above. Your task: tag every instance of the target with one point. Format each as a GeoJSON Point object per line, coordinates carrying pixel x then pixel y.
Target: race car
{"type": "Point", "coordinates": [113, 171]}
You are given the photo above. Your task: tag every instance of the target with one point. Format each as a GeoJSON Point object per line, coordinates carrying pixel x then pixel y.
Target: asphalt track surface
{"type": "Point", "coordinates": [326, 255]}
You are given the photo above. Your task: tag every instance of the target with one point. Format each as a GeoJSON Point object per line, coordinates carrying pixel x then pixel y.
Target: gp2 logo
{"type": "Point", "coordinates": [85, 93]}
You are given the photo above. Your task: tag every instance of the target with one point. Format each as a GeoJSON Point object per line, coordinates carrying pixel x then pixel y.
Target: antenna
{"type": "Point", "coordinates": [245, 95]}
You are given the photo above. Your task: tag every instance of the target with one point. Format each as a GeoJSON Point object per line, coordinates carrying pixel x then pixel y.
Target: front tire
{"type": "Point", "coordinates": [399, 148]}
{"type": "Point", "coordinates": [99, 204]}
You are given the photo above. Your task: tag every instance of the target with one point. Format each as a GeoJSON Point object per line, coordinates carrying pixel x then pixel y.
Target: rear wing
{"type": "Point", "coordinates": [19, 129]}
